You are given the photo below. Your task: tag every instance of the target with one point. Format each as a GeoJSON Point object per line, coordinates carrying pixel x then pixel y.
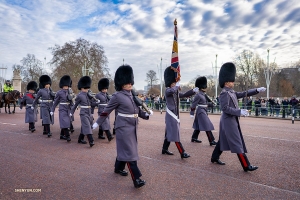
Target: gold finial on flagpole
{"type": "Point", "coordinates": [175, 22]}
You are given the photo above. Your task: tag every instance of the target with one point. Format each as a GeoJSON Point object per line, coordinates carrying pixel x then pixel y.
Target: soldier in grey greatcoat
{"type": "Point", "coordinates": [103, 97]}
{"type": "Point", "coordinates": [84, 100]}
{"type": "Point", "coordinates": [230, 135]}
{"type": "Point", "coordinates": [47, 96]}
{"type": "Point", "coordinates": [64, 99]}
{"type": "Point", "coordinates": [200, 104]}
{"type": "Point", "coordinates": [27, 100]}
{"type": "Point", "coordinates": [125, 124]}
{"type": "Point", "coordinates": [172, 96]}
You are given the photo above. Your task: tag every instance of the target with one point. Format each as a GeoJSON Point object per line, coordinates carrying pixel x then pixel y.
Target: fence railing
{"type": "Point", "coordinates": [281, 111]}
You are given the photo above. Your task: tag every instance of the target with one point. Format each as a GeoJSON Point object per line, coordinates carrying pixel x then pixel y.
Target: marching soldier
{"type": "Point", "coordinates": [125, 124]}
{"type": "Point", "coordinates": [47, 96]}
{"type": "Point", "coordinates": [199, 105]}
{"type": "Point", "coordinates": [63, 98]}
{"type": "Point", "coordinates": [103, 85]}
{"type": "Point", "coordinates": [230, 136]}
{"type": "Point", "coordinates": [27, 100]}
{"type": "Point", "coordinates": [172, 96]}
{"type": "Point", "coordinates": [86, 117]}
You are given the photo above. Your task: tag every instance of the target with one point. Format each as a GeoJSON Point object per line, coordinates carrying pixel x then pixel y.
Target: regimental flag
{"type": "Point", "coordinates": [174, 60]}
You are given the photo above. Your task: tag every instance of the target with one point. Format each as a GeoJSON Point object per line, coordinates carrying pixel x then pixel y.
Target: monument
{"type": "Point", "coordinates": [17, 80]}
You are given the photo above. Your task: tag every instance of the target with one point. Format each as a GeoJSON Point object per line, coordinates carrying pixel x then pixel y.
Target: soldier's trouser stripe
{"type": "Point", "coordinates": [243, 159]}
{"type": "Point", "coordinates": [179, 147]}
{"type": "Point", "coordinates": [210, 136]}
{"type": "Point", "coordinates": [130, 170]}
{"type": "Point", "coordinates": [134, 170]}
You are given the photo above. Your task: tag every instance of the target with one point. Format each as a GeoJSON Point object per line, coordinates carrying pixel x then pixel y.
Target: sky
{"type": "Point", "coordinates": [141, 32]}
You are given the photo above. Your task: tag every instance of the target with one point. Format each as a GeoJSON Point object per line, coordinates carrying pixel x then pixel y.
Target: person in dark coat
{"type": "Point", "coordinates": [125, 124]}
{"type": "Point", "coordinates": [27, 100]}
{"type": "Point", "coordinates": [86, 118]}
{"type": "Point", "coordinates": [47, 96]}
{"type": "Point", "coordinates": [172, 121]}
{"type": "Point", "coordinates": [199, 105]}
{"type": "Point", "coordinates": [103, 97]}
{"type": "Point", "coordinates": [230, 135]}
{"type": "Point", "coordinates": [64, 99]}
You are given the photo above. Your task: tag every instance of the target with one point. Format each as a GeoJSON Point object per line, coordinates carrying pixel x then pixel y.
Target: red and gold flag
{"type": "Point", "coordinates": [174, 60]}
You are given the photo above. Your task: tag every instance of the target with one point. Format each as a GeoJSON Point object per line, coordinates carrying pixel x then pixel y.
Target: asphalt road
{"type": "Point", "coordinates": [51, 168]}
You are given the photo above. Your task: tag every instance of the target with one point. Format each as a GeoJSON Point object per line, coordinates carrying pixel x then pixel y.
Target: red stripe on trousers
{"type": "Point", "coordinates": [243, 160]}
{"type": "Point", "coordinates": [131, 173]}
{"type": "Point", "coordinates": [179, 147]}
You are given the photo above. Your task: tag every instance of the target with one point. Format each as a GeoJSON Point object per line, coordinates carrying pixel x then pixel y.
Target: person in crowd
{"type": "Point", "coordinates": [264, 109]}
{"type": "Point", "coordinates": [271, 103]}
{"type": "Point", "coordinates": [7, 87]}
{"type": "Point", "coordinates": [285, 105]}
{"type": "Point", "coordinates": [277, 107]}
{"type": "Point", "coordinates": [172, 96]}
{"type": "Point", "coordinates": [230, 136]}
{"type": "Point", "coordinates": [199, 107]}
{"type": "Point", "coordinates": [294, 103]}
{"type": "Point", "coordinates": [47, 95]}
{"type": "Point", "coordinates": [27, 100]}
{"type": "Point", "coordinates": [257, 106]}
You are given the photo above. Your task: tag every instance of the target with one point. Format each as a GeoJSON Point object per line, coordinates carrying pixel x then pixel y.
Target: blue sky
{"type": "Point", "coordinates": [141, 32]}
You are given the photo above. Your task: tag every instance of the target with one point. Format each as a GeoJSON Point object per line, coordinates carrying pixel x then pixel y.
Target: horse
{"type": "Point", "coordinates": [10, 97]}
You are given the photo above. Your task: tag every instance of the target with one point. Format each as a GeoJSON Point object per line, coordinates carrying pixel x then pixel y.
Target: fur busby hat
{"type": "Point", "coordinates": [124, 75]}
{"type": "Point", "coordinates": [169, 76]}
{"type": "Point", "coordinates": [84, 82]}
{"type": "Point", "coordinates": [44, 80]}
{"type": "Point", "coordinates": [103, 84]}
{"type": "Point", "coordinates": [32, 85]}
{"type": "Point", "coordinates": [227, 73]}
{"type": "Point", "coordinates": [201, 82]}
{"type": "Point", "coordinates": [65, 81]}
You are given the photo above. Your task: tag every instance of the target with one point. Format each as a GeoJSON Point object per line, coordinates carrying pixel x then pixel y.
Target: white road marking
{"type": "Point", "coordinates": [8, 123]}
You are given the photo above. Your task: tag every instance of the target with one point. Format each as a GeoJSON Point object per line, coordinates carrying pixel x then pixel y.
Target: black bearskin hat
{"type": "Point", "coordinates": [169, 76]}
{"type": "Point", "coordinates": [201, 82]}
{"type": "Point", "coordinates": [124, 75]}
{"type": "Point", "coordinates": [65, 81]}
{"type": "Point", "coordinates": [84, 82]}
{"type": "Point", "coordinates": [103, 84]}
{"type": "Point", "coordinates": [44, 80]}
{"type": "Point", "coordinates": [32, 85]}
{"type": "Point", "coordinates": [227, 73]}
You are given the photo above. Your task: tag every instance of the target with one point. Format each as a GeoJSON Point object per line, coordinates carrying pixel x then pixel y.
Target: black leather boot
{"type": "Point", "coordinates": [166, 152]}
{"type": "Point", "coordinates": [195, 136]}
{"type": "Point", "coordinates": [91, 139]}
{"type": "Point", "coordinates": [185, 155]}
{"type": "Point", "coordinates": [121, 172]}
{"type": "Point", "coordinates": [218, 161]}
{"type": "Point", "coordinates": [100, 134]}
{"type": "Point", "coordinates": [62, 136]}
{"type": "Point", "coordinates": [81, 139]}
{"type": "Point", "coordinates": [108, 135]}
{"type": "Point", "coordinates": [212, 143]}
{"type": "Point", "coordinates": [139, 183]}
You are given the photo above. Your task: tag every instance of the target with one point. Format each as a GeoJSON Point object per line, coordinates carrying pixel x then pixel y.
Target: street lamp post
{"type": "Point", "coordinates": [2, 76]}
{"type": "Point", "coordinates": [215, 73]}
{"type": "Point", "coordinates": [268, 74]}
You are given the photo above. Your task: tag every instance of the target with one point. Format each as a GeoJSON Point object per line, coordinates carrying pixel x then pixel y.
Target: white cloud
{"type": "Point", "coordinates": [142, 32]}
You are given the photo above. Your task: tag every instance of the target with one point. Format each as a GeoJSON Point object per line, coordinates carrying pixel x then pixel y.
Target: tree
{"type": "Point", "coordinates": [31, 68]}
{"type": "Point", "coordinates": [79, 58]}
{"type": "Point", "coordinates": [151, 77]}
{"type": "Point", "coordinates": [248, 66]}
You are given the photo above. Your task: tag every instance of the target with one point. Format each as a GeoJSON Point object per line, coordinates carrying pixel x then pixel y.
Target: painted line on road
{"type": "Point", "coordinates": [8, 123]}
{"type": "Point", "coordinates": [271, 138]}
{"type": "Point", "coordinates": [226, 176]}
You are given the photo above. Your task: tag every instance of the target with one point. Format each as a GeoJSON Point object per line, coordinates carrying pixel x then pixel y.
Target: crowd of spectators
{"type": "Point", "coordinates": [257, 106]}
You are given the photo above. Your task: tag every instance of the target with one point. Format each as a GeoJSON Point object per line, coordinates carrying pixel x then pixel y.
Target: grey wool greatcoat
{"type": "Point", "coordinates": [126, 127]}
{"type": "Point", "coordinates": [231, 138]}
{"type": "Point", "coordinates": [201, 121]}
{"type": "Point", "coordinates": [30, 115]}
{"type": "Point", "coordinates": [85, 114]}
{"type": "Point", "coordinates": [172, 96]}
{"type": "Point", "coordinates": [103, 100]}
{"type": "Point", "coordinates": [46, 105]}
{"type": "Point", "coordinates": [64, 109]}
